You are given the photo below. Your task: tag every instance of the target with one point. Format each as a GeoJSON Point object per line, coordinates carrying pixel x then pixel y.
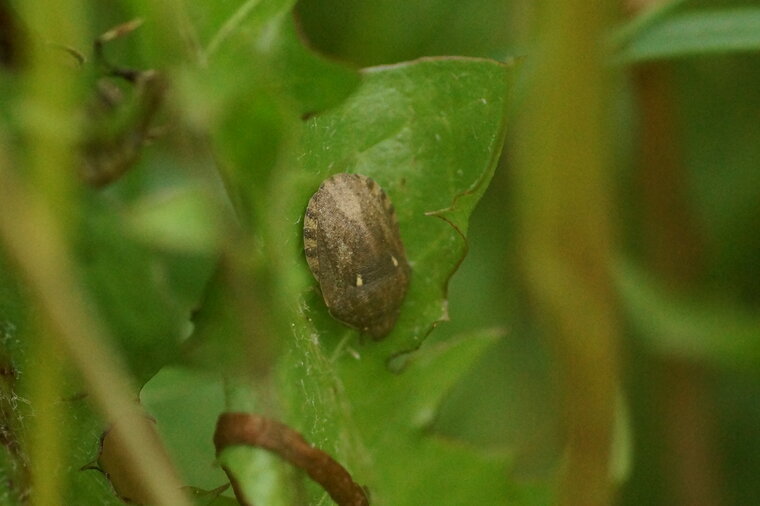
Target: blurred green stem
{"type": "Point", "coordinates": [47, 445]}
{"type": "Point", "coordinates": [49, 128]}
{"type": "Point", "coordinates": [563, 194]}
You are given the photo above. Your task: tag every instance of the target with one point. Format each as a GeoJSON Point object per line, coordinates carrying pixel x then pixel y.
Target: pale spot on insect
{"type": "Point", "coordinates": [349, 203]}
{"type": "Point", "coordinates": [394, 260]}
{"type": "Point", "coordinates": [359, 280]}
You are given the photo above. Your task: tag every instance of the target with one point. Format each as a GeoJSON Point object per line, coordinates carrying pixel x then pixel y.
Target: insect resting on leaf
{"type": "Point", "coordinates": [354, 249]}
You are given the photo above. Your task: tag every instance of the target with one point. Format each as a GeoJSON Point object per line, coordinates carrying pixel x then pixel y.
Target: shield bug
{"type": "Point", "coordinates": [354, 249]}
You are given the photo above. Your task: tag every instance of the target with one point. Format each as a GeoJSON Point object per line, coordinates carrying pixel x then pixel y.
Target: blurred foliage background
{"type": "Point", "coordinates": [674, 193]}
{"type": "Point", "coordinates": [695, 431]}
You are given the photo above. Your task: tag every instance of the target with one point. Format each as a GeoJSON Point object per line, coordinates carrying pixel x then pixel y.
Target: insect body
{"type": "Point", "coordinates": [353, 248]}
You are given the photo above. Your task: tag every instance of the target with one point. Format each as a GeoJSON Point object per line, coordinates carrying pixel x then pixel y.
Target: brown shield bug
{"type": "Point", "coordinates": [354, 249]}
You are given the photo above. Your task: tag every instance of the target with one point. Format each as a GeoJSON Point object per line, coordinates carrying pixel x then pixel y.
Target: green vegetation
{"type": "Point", "coordinates": [577, 196]}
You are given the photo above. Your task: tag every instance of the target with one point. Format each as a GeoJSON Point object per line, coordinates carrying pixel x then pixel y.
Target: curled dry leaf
{"type": "Point", "coordinates": [255, 430]}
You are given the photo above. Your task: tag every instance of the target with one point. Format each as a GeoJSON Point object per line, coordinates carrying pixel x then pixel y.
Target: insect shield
{"type": "Point", "coordinates": [354, 250]}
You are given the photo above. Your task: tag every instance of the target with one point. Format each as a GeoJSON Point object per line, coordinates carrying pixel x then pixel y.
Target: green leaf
{"type": "Point", "coordinates": [702, 329]}
{"type": "Point", "coordinates": [180, 219]}
{"type": "Point", "coordinates": [643, 21]}
{"type": "Point", "coordinates": [145, 295]}
{"type": "Point", "coordinates": [315, 82]}
{"type": "Point", "coordinates": [83, 429]}
{"type": "Point", "coordinates": [262, 478]}
{"type": "Point", "coordinates": [376, 422]}
{"type": "Point", "coordinates": [211, 497]}
{"type": "Point", "coordinates": [258, 46]}
{"type": "Point", "coordinates": [695, 33]}
{"type": "Point", "coordinates": [216, 23]}
{"type": "Point", "coordinates": [185, 404]}
{"type": "Point", "coordinates": [430, 133]}
{"type": "Point", "coordinates": [393, 411]}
